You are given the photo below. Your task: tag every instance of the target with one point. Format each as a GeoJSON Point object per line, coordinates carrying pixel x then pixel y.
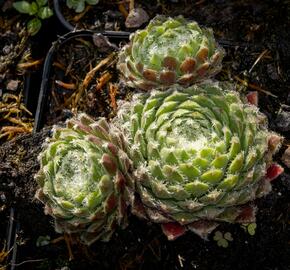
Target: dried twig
{"type": "Point", "coordinates": [122, 9]}
{"type": "Point", "coordinates": [261, 55]}
{"type": "Point", "coordinates": [29, 64]}
{"type": "Point", "coordinates": [113, 89]}
{"type": "Point", "coordinates": [89, 77]}
{"type": "Point", "coordinates": [253, 86]}
{"type": "Point", "coordinates": [103, 80]}
{"type": "Point", "coordinates": [131, 5]}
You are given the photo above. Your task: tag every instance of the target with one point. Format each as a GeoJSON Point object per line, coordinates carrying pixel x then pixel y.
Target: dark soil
{"type": "Point", "coordinates": [246, 29]}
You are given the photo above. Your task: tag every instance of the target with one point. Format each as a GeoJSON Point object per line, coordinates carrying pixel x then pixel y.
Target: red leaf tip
{"type": "Point", "coordinates": [274, 171]}
{"type": "Point", "coordinates": [252, 98]}
{"type": "Point", "coordinates": [173, 230]}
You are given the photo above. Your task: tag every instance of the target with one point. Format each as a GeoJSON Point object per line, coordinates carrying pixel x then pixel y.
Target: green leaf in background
{"type": "Point", "coordinates": [41, 3]}
{"type": "Point", "coordinates": [77, 5]}
{"type": "Point", "coordinates": [80, 7]}
{"type": "Point", "coordinates": [44, 13]}
{"type": "Point", "coordinates": [92, 2]}
{"type": "Point", "coordinates": [33, 8]}
{"type": "Point", "coordinates": [22, 7]}
{"type": "Point", "coordinates": [33, 26]}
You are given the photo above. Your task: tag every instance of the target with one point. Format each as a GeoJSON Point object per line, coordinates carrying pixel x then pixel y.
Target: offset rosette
{"type": "Point", "coordinates": [200, 156]}
{"type": "Point", "coordinates": [170, 51]}
{"type": "Point", "coordinates": [84, 181]}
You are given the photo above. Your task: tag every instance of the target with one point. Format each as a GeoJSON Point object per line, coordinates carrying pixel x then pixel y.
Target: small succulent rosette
{"type": "Point", "coordinates": [84, 179]}
{"type": "Point", "coordinates": [170, 51]}
{"type": "Point", "coordinates": [201, 156]}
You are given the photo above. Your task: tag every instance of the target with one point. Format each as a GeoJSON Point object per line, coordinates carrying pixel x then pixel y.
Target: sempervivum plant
{"type": "Point", "coordinates": [84, 179]}
{"type": "Point", "coordinates": [201, 155]}
{"type": "Point", "coordinates": [170, 51]}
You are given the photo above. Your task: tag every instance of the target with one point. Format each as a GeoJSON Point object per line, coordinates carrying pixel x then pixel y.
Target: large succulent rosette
{"type": "Point", "coordinates": [170, 51]}
{"type": "Point", "coordinates": [84, 180]}
{"type": "Point", "coordinates": [201, 156]}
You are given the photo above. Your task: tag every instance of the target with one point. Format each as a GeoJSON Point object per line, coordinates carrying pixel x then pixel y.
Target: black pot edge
{"type": "Point", "coordinates": [70, 27]}
{"type": "Point", "coordinates": [11, 238]}
{"type": "Point", "coordinates": [44, 87]}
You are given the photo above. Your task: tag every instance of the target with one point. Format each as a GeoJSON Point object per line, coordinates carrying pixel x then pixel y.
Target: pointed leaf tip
{"type": "Point", "coordinates": [274, 171]}
{"type": "Point", "coordinates": [252, 98]}
{"type": "Point", "coordinates": [173, 230]}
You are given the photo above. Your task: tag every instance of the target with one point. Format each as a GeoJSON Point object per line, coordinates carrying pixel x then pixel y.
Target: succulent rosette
{"type": "Point", "coordinates": [84, 179]}
{"type": "Point", "coordinates": [170, 51]}
{"type": "Point", "coordinates": [201, 156]}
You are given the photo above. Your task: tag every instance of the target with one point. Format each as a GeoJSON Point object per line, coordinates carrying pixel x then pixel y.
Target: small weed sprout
{"type": "Point", "coordinates": [79, 5]}
{"type": "Point", "coordinates": [223, 239]}
{"type": "Point", "coordinates": [250, 228]}
{"type": "Point", "coordinates": [38, 9]}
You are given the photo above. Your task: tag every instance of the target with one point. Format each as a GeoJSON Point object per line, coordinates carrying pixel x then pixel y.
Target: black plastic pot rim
{"type": "Point", "coordinates": [44, 88]}
{"type": "Point", "coordinates": [70, 27]}
{"type": "Point", "coordinates": [123, 34]}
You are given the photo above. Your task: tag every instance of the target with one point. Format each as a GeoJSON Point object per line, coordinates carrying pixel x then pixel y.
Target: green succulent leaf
{"type": "Point", "coordinates": [81, 183]}
{"type": "Point", "coordinates": [193, 164]}
{"type": "Point", "coordinates": [170, 51]}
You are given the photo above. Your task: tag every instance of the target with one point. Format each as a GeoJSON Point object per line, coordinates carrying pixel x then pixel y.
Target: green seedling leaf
{"type": "Point", "coordinates": [44, 13]}
{"type": "Point", "coordinates": [92, 2]}
{"type": "Point", "coordinates": [22, 7]}
{"type": "Point", "coordinates": [43, 240]}
{"type": "Point", "coordinates": [252, 228]}
{"type": "Point", "coordinates": [33, 26]}
{"type": "Point", "coordinates": [228, 236]}
{"type": "Point", "coordinates": [33, 8]}
{"type": "Point", "coordinates": [222, 239]}
{"type": "Point", "coordinates": [41, 3]}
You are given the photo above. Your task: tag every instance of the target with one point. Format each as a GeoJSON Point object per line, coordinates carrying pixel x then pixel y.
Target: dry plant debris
{"type": "Point", "coordinates": [15, 116]}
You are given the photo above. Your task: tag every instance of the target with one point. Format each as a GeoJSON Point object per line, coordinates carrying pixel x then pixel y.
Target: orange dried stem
{"type": "Point", "coordinates": [70, 86]}
{"type": "Point", "coordinates": [123, 10]}
{"type": "Point", "coordinates": [59, 65]}
{"type": "Point", "coordinates": [29, 64]}
{"type": "Point", "coordinates": [103, 80]}
{"type": "Point", "coordinates": [113, 89]}
{"type": "Point", "coordinates": [90, 76]}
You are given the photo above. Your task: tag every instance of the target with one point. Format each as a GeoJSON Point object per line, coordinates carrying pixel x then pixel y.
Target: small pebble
{"type": "Point", "coordinates": [12, 85]}
{"type": "Point", "coordinates": [11, 184]}
{"type": "Point", "coordinates": [7, 49]}
{"type": "Point", "coordinates": [136, 18]}
{"type": "Point", "coordinates": [109, 26]}
{"type": "Point", "coordinates": [2, 197]}
{"type": "Point", "coordinates": [283, 121]}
